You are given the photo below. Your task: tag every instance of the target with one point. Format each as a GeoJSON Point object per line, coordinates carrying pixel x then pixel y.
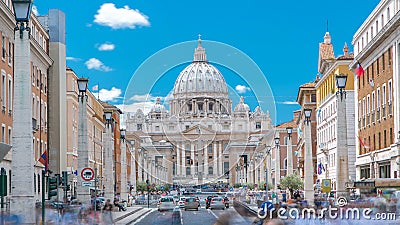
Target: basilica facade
{"type": "Point", "coordinates": [200, 139]}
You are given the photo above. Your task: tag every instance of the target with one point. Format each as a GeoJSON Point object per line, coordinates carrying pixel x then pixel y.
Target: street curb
{"type": "Point", "coordinates": [126, 215]}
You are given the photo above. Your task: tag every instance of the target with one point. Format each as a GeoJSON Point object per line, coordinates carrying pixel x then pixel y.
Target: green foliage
{"type": "Point", "coordinates": [237, 185]}
{"type": "Point", "coordinates": [292, 182]}
{"type": "Point", "coordinates": [262, 187]}
{"type": "Point", "coordinates": [141, 186]}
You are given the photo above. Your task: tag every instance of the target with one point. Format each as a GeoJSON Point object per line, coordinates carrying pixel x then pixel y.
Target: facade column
{"type": "Point", "coordinates": [342, 149]}
{"type": "Point", "coordinates": [216, 158]}
{"type": "Point", "coordinates": [133, 171]}
{"type": "Point", "coordinates": [308, 166]}
{"type": "Point", "coordinates": [108, 166]}
{"type": "Point", "coordinates": [22, 200]}
{"type": "Point", "coordinates": [220, 159]}
{"type": "Point", "coordinates": [183, 159]}
{"type": "Point", "coordinates": [192, 167]}
{"type": "Point", "coordinates": [124, 183]}
{"type": "Point", "coordinates": [178, 160]}
{"type": "Point", "coordinates": [205, 159]}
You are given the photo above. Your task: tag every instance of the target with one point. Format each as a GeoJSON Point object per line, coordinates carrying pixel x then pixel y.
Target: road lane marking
{"type": "Point", "coordinates": [209, 211]}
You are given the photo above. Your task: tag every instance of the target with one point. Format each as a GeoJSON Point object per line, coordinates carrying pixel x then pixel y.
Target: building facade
{"type": "Point", "coordinates": [40, 62]}
{"type": "Point", "coordinates": [95, 126]}
{"type": "Point", "coordinates": [201, 139]}
{"type": "Point", "coordinates": [376, 48]}
{"type": "Point", "coordinates": [327, 114]}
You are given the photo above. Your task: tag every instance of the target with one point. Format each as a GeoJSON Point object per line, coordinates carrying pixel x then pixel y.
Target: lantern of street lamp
{"type": "Point", "coordinates": [82, 87]}
{"type": "Point", "coordinates": [122, 132]}
{"type": "Point", "coordinates": [307, 115]}
{"type": "Point", "coordinates": [341, 85]}
{"type": "Point", "coordinates": [276, 141]}
{"type": "Point", "coordinates": [289, 131]}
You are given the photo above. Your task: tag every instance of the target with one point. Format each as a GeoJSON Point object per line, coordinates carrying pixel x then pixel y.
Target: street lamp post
{"type": "Point", "coordinates": [83, 145]}
{"type": "Point", "coordinates": [342, 147]}
{"type": "Point", "coordinates": [124, 183]}
{"type": "Point", "coordinates": [308, 161]}
{"type": "Point", "coordinates": [289, 156]}
{"type": "Point", "coordinates": [277, 163]}
{"type": "Point", "coordinates": [109, 192]}
{"type": "Point", "coordinates": [22, 201]}
{"type": "Point", "coordinates": [268, 156]}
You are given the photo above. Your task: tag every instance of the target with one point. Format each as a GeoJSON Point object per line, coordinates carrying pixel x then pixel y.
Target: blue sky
{"type": "Point", "coordinates": [108, 40]}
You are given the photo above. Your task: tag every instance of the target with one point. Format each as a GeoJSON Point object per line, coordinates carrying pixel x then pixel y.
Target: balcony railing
{"type": "Point", "coordinates": [363, 121]}
{"type": "Point", "coordinates": [359, 124]}
{"type": "Point", "coordinates": [378, 114]}
{"type": "Point", "coordinates": [390, 109]}
{"type": "Point", "coordinates": [34, 125]}
{"type": "Point", "coordinates": [368, 119]}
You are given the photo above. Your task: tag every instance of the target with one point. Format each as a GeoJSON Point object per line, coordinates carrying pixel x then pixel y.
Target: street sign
{"type": "Point", "coordinates": [162, 188]}
{"type": "Point", "coordinates": [87, 184]}
{"type": "Point", "coordinates": [326, 185]}
{"type": "Point", "coordinates": [231, 189]}
{"type": "Point", "coordinates": [87, 174]}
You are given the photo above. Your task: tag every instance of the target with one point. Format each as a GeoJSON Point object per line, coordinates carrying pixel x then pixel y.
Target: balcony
{"type": "Point", "coordinates": [359, 123]}
{"type": "Point", "coordinates": [368, 119]}
{"type": "Point", "coordinates": [378, 114]}
{"type": "Point", "coordinates": [363, 121]}
{"type": "Point", "coordinates": [390, 109]}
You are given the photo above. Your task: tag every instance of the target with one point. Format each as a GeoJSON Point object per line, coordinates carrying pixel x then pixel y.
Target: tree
{"type": "Point", "coordinates": [292, 182]}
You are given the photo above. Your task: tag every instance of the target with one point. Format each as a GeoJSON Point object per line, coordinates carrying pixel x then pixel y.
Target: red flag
{"type": "Point", "coordinates": [44, 159]}
{"type": "Point", "coordinates": [359, 70]}
{"type": "Point", "coordinates": [362, 143]}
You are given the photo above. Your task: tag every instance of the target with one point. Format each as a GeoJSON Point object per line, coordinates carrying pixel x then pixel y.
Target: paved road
{"type": "Point", "coordinates": [201, 217]}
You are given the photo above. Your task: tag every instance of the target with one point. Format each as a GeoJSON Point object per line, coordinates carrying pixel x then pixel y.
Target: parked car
{"type": "Point", "coordinates": [217, 203]}
{"type": "Point", "coordinates": [181, 202]}
{"type": "Point", "coordinates": [166, 203]}
{"type": "Point", "coordinates": [191, 203]}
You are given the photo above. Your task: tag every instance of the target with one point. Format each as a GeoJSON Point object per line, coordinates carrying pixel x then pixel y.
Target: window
{"type": "Point", "coordinates": [3, 133]}
{"type": "Point", "coordinates": [383, 95]}
{"type": "Point", "coordinates": [210, 106]}
{"type": "Point", "coordinates": [187, 171]}
{"type": "Point", "coordinates": [34, 182]}
{"type": "Point", "coordinates": [372, 32]}
{"type": "Point", "coordinates": [225, 127]}
{"type": "Point", "coordinates": [389, 57]}
{"type": "Point", "coordinates": [258, 125]}
{"type": "Point", "coordinates": [313, 98]}
{"type": "Point", "coordinates": [377, 67]}
{"type": "Point", "coordinates": [210, 170]}
{"type": "Point", "coordinates": [384, 171]}
{"type": "Point", "coordinates": [210, 148]}
{"type": "Point", "coordinates": [4, 85]}
{"type": "Point", "coordinates": [200, 106]}
{"type": "Point", "coordinates": [390, 136]}
{"type": "Point", "coordinates": [379, 140]}
{"type": "Point", "coordinates": [373, 101]}
{"type": "Point", "coordinates": [388, 13]}
{"type": "Point", "coordinates": [10, 95]}
{"type": "Point", "coordinates": [139, 126]}
{"type": "Point", "coordinates": [383, 61]}
{"type": "Point", "coordinates": [157, 128]}
{"type": "Point", "coordinates": [376, 27]}
{"type": "Point", "coordinates": [9, 136]}
{"type": "Point", "coordinates": [187, 127]}
{"type": "Point", "coordinates": [226, 167]}
{"type": "Point", "coordinates": [384, 139]}
{"type": "Point", "coordinates": [368, 105]}
{"type": "Point", "coordinates": [390, 91]}
{"type": "Point", "coordinates": [3, 47]}
{"type": "Point", "coordinates": [209, 127]}
{"type": "Point", "coordinates": [378, 98]}
{"type": "Point", "coordinates": [190, 107]}
{"type": "Point", "coordinates": [187, 147]}
{"type": "Point", "coordinates": [10, 53]}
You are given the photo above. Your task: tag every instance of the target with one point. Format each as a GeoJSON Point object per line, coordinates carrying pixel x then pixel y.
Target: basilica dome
{"type": "Point", "coordinates": [241, 106]}
{"type": "Point", "coordinates": [200, 78]}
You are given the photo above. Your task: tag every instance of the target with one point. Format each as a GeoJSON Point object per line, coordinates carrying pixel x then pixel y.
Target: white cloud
{"type": "Point", "coordinates": [133, 107]}
{"type": "Point", "coordinates": [96, 64]}
{"type": "Point", "coordinates": [35, 10]}
{"type": "Point", "coordinates": [288, 103]}
{"type": "Point", "coordinates": [141, 98]}
{"type": "Point", "coordinates": [106, 47]}
{"type": "Point", "coordinates": [119, 18]}
{"type": "Point", "coordinates": [109, 95]}
{"type": "Point", "coordinates": [69, 58]}
{"type": "Point", "coordinates": [242, 89]}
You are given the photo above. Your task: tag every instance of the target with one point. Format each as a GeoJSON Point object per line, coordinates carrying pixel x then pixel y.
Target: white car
{"type": "Point", "coordinates": [166, 203]}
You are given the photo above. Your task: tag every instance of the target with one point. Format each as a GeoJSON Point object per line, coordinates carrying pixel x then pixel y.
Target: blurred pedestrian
{"type": "Point", "coordinates": [107, 212]}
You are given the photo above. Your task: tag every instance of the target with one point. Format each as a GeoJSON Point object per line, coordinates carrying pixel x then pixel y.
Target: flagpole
{"type": "Point", "coordinates": [98, 91]}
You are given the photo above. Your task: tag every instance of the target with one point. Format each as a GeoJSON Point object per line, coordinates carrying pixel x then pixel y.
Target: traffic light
{"type": "Point", "coordinates": [53, 186]}
{"type": "Point", "coordinates": [64, 179]}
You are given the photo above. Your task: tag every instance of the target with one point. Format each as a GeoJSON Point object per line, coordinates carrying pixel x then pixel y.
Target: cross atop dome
{"type": "Point", "coordinates": [200, 52]}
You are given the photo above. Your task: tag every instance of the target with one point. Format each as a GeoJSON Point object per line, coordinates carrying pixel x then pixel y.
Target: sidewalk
{"type": "Point", "coordinates": [130, 215]}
